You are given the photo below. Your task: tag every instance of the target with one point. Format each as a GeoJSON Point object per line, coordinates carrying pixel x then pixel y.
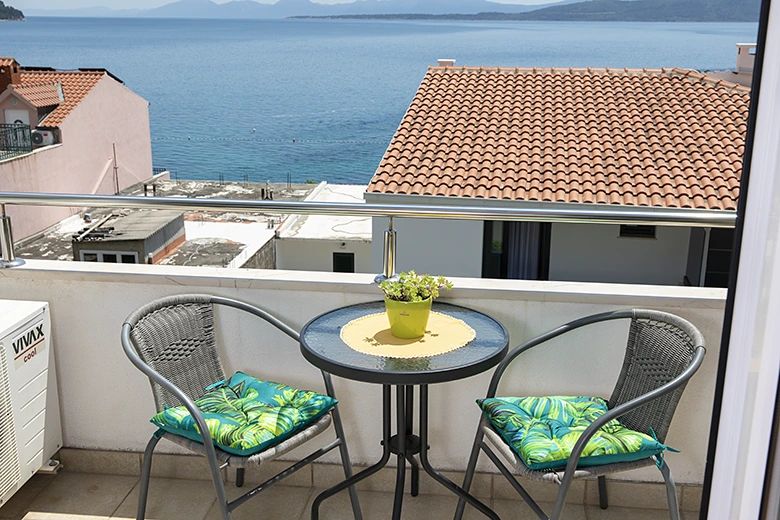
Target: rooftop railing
{"type": "Point", "coordinates": [15, 140]}
{"type": "Point", "coordinates": [569, 213]}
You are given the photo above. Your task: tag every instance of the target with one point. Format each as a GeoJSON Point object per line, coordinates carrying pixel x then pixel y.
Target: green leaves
{"type": "Point", "coordinates": [413, 287]}
{"type": "Point", "coordinates": [246, 415]}
{"type": "Point", "coordinates": [544, 430]}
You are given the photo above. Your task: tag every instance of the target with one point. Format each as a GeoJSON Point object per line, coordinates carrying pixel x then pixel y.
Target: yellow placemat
{"type": "Point", "coordinates": [371, 335]}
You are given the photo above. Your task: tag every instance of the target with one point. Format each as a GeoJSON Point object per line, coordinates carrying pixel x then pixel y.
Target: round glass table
{"type": "Point", "coordinates": [322, 346]}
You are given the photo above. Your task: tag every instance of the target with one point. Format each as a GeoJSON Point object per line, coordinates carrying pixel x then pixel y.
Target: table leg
{"type": "Point", "coordinates": [400, 412]}
{"type": "Point", "coordinates": [444, 481]}
{"type": "Point", "coordinates": [315, 508]}
{"type": "Point", "coordinates": [409, 431]}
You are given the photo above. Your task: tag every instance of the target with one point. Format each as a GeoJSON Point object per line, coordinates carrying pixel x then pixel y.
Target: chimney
{"type": "Point", "coordinates": [10, 73]}
{"type": "Point", "coordinates": [746, 56]}
{"type": "Point", "coordinates": [446, 63]}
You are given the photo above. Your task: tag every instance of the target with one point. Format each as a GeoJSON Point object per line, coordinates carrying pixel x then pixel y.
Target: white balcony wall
{"type": "Point", "coordinates": [597, 253]}
{"type": "Point", "coordinates": [297, 254]}
{"type": "Point", "coordinates": [106, 403]}
{"type": "Point", "coordinates": [446, 247]}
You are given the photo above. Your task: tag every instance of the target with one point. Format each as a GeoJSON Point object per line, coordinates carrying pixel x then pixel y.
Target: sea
{"type": "Point", "coordinates": [311, 100]}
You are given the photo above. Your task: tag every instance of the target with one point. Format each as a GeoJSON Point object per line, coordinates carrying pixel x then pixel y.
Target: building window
{"type": "Point", "coordinates": [631, 231]}
{"type": "Point", "coordinates": [109, 257]}
{"type": "Point", "coordinates": [343, 262]}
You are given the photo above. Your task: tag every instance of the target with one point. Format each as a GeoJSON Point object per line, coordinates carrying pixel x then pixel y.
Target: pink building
{"type": "Point", "coordinates": [90, 135]}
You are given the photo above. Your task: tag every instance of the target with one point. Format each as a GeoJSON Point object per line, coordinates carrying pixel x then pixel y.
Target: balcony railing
{"type": "Point", "coordinates": [15, 140]}
{"type": "Point", "coordinates": [606, 214]}
{"type": "Point", "coordinates": [571, 213]}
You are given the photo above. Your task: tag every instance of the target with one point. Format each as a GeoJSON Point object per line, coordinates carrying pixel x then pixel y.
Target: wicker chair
{"type": "Point", "coordinates": [662, 354]}
{"type": "Point", "coordinates": [171, 341]}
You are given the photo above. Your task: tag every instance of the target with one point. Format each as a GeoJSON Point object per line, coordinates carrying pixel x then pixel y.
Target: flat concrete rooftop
{"type": "Point", "coordinates": [213, 238]}
{"type": "Point", "coordinates": [330, 227]}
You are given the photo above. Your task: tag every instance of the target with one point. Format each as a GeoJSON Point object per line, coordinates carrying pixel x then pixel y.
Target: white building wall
{"type": "Point", "coordinates": [317, 255]}
{"type": "Point", "coordinates": [83, 163]}
{"type": "Point", "coordinates": [89, 303]}
{"type": "Point", "coordinates": [597, 253]}
{"type": "Point", "coordinates": [442, 247]}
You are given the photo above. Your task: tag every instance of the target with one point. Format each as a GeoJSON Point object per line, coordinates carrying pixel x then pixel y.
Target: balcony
{"type": "Point", "coordinates": [103, 436]}
{"type": "Point", "coordinates": [15, 140]}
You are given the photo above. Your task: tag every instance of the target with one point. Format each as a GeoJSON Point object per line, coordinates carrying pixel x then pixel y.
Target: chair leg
{"type": "Point", "coordinates": [671, 492]}
{"type": "Point", "coordinates": [219, 486]}
{"type": "Point", "coordinates": [603, 497]}
{"type": "Point", "coordinates": [146, 473]}
{"type": "Point", "coordinates": [470, 469]}
{"type": "Point", "coordinates": [353, 497]}
{"type": "Point", "coordinates": [240, 474]}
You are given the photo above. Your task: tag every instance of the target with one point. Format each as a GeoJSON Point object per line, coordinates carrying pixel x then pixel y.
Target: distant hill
{"type": "Point", "coordinates": [607, 11]}
{"type": "Point", "coordinates": [295, 8]}
{"type": "Point", "coordinates": [564, 10]}
{"type": "Point", "coordinates": [9, 13]}
{"type": "Point", "coordinates": [652, 11]}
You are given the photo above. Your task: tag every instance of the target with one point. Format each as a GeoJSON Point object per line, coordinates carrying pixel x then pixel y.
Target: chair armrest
{"type": "Point", "coordinates": [563, 329]}
{"type": "Point", "coordinates": [626, 407]}
{"type": "Point", "coordinates": [136, 360]}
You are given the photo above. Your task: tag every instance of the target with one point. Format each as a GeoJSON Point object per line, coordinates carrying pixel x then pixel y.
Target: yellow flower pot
{"type": "Point", "coordinates": [408, 320]}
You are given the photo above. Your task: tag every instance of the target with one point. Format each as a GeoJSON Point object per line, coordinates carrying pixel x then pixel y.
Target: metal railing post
{"type": "Point", "coordinates": [388, 254]}
{"type": "Point", "coordinates": [7, 241]}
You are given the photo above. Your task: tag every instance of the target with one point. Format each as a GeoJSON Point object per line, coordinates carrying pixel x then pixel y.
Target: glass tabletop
{"type": "Point", "coordinates": [322, 346]}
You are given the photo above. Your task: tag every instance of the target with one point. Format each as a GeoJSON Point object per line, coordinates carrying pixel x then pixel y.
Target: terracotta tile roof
{"type": "Point", "coordinates": [41, 95]}
{"type": "Point", "coordinates": [669, 137]}
{"type": "Point", "coordinates": [5, 62]}
{"type": "Point", "coordinates": [75, 85]}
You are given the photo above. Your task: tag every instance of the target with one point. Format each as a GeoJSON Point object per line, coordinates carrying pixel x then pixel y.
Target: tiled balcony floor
{"type": "Point", "coordinates": [83, 496]}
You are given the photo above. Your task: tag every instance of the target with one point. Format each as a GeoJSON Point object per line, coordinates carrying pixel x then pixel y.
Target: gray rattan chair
{"type": "Point", "coordinates": [171, 340]}
{"type": "Point", "coordinates": [662, 354]}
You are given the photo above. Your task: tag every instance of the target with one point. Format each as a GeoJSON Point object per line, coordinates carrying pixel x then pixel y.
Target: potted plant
{"type": "Point", "coordinates": [408, 302]}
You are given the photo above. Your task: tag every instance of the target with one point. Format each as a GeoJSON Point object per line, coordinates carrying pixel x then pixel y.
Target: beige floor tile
{"type": "Point", "coordinates": [691, 498]}
{"type": "Point", "coordinates": [97, 461]}
{"type": "Point", "coordinates": [171, 499]}
{"type": "Point", "coordinates": [261, 473]}
{"type": "Point", "coordinates": [429, 507]}
{"type": "Point", "coordinates": [277, 502]}
{"type": "Point", "coordinates": [540, 491]}
{"type": "Point", "coordinates": [18, 503]}
{"type": "Point", "coordinates": [643, 495]}
{"type": "Point", "coordinates": [384, 481]}
{"type": "Point", "coordinates": [519, 510]}
{"type": "Point", "coordinates": [83, 496]}
{"type": "Point", "coordinates": [622, 513]}
{"type": "Point", "coordinates": [375, 506]}
{"type": "Point", "coordinates": [689, 515]}
{"type": "Point", "coordinates": [379, 506]}
{"type": "Point", "coordinates": [192, 467]}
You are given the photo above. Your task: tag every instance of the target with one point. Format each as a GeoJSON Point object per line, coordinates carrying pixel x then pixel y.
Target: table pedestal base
{"type": "Point", "coordinates": [405, 445]}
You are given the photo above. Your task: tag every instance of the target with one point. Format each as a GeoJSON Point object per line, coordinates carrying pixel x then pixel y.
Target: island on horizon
{"type": "Point", "coordinates": [597, 11]}
{"type": "Point", "coordinates": [9, 13]}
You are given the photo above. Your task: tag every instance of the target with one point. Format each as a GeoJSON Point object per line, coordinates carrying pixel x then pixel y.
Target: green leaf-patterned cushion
{"type": "Point", "coordinates": [246, 415]}
{"type": "Point", "coordinates": [544, 430]}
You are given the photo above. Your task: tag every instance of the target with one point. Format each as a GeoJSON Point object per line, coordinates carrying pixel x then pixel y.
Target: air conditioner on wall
{"type": "Point", "coordinates": [30, 431]}
{"type": "Point", "coordinates": [42, 138]}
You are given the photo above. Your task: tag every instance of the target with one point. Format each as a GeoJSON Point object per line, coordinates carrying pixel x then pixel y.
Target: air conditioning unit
{"type": "Point", "coordinates": [30, 431]}
{"type": "Point", "coordinates": [42, 137]}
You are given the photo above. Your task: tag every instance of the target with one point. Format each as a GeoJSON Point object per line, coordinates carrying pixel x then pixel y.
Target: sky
{"type": "Point", "coordinates": [144, 4]}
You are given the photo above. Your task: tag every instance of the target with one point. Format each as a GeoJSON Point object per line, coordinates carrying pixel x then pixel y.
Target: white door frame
{"type": "Point", "coordinates": [751, 379]}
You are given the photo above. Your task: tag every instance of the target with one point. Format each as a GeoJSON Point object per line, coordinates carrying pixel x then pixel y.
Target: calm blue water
{"type": "Point", "coordinates": [339, 88]}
